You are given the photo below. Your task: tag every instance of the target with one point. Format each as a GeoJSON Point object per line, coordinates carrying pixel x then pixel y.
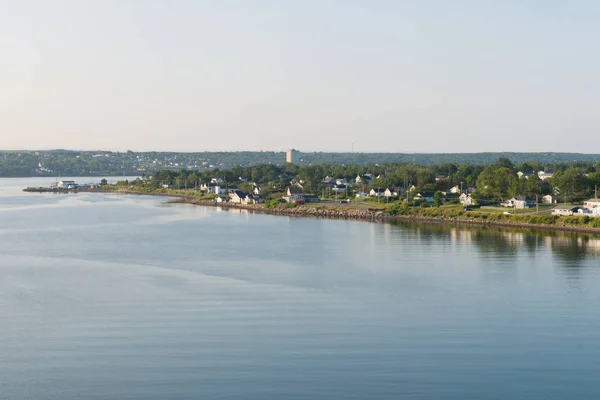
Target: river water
{"type": "Point", "coordinates": [129, 297]}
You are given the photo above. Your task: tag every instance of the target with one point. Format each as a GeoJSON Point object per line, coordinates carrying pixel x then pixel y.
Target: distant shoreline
{"type": "Point", "coordinates": [365, 215]}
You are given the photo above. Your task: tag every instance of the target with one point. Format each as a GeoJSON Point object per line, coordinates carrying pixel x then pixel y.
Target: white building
{"type": "Point", "coordinates": [292, 156]}
{"type": "Point", "coordinates": [67, 185]}
{"type": "Point", "coordinates": [592, 203]}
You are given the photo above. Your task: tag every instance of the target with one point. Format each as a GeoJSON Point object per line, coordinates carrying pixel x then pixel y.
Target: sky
{"type": "Point", "coordinates": [315, 75]}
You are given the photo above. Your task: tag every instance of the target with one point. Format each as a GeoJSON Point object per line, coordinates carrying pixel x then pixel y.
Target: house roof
{"type": "Point", "coordinates": [239, 193]}
{"type": "Point", "coordinates": [295, 190]}
{"type": "Point", "coordinates": [523, 198]}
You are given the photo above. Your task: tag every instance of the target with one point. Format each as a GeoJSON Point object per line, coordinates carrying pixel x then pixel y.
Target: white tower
{"type": "Point", "coordinates": [292, 156]}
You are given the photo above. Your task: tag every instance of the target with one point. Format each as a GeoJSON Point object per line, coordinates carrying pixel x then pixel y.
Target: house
{"type": "Point", "coordinates": [389, 193]}
{"type": "Point", "coordinates": [361, 195]}
{"type": "Point", "coordinates": [427, 196]}
{"type": "Point", "coordinates": [294, 195]}
{"type": "Point", "coordinates": [216, 181]}
{"type": "Point", "coordinates": [221, 199]}
{"type": "Point", "coordinates": [525, 175]}
{"type": "Point", "coordinates": [519, 202]}
{"type": "Point", "coordinates": [257, 190]}
{"type": "Point", "coordinates": [466, 200]}
{"type": "Point", "coordinates": [550, 199]}
{"type": "Point", "coordinates": [366, 178]}
{"type": "Point", "coordinates": [440, 178]}
{"type": "Point", "coordinates": [341, 181]}
{"type": "Point", "coordinates": [237, 196]}
{"type": "Point", "coordinates": [454, 190]}
{"type": "Point", "coordinates": [311, 198]}
{"type": "Point", "coordinates": [584, 211]}
{"type": "Point", "coordinates": [591, 203]}
{"type": "Point", "coordinates": [339, 188]}
{"type": "Point", "coordinates": [543, 175]}
{"type": "Point", "coordinates": [67, 185]}
{"type": "Point", "coordinates": [253, 199]}
{"type": "Point", "coordinates": [566, 211]}
{"type": "Point", "coordinates": [377, 192]}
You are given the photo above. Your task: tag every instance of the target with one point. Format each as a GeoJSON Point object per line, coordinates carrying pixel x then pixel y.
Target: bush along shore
{"type": "Point", "coordinates": [396, 212]}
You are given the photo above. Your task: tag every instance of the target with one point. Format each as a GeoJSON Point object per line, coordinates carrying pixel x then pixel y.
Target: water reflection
{"type": "Point", "coordinates": [506, 243]}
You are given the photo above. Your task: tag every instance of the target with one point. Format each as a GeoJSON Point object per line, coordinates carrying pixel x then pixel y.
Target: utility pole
{"type": "Point", "coordinates": [537, 205]}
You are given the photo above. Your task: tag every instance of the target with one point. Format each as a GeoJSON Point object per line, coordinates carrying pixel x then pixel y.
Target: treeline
{"type": "Point", "coordinates": [85, 163]}
{"type": "Point", "coordinates": [497, 181]}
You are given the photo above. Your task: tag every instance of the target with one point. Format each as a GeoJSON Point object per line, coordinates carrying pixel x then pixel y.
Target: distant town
{"type": "Point", "coordinates": [106, 163]}
{"type": "Point", "coordinates": [503, 187]}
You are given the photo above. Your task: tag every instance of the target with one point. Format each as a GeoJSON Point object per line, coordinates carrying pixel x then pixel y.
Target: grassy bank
{"type": "Point", "coordinates": [396, 210]}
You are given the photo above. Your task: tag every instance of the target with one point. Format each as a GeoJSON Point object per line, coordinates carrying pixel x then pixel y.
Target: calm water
{"type": "Point", "coordinates": [105, 296]}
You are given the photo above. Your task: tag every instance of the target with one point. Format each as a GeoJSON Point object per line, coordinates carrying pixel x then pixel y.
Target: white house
{"type": "Point", "coordinates": [566, 211]}
{"type": "Point", "coordinates": [466, 199]}
{"type": "Point", "coordinates": [454, 189]}
{"type": "Point", "coordinates": [427, 196]}
{"type": "Point", "coordinates": [389, 193]}
{"type": "Point", "coordinates": [216, 181]}
{"type": "Point", "coordinates": [237, 196]}
{"type": "Point", "coordinates": [543, 175]}
{"type": "Point", "coordinates": [591, 203]}
{"type": "Point", "coordinates": [221, 199]}
{"type": "Point", "coordinates": [550, 199]}
{"type": "Point", "coordinates": [525, 175]}
{"type": "Point", "coordinates": [294, 195]}
{"type": "Point", "coordinates": [361, 195]}
{"type": "Point", "coordinates": [339, 188]}
{"type": "Point", "coordinates": [378, 192]}
{"type": "Point", "coordinates": [252, 199]}
{"type": "Point", "coordinates": [519, 202]}
{"type": "Point", "coordinates": [67, 185]}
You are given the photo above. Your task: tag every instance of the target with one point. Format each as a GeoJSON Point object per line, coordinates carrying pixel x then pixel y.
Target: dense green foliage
{"type": "Point", "coordinates": [84, 163]}
{"type": "Point", "coordinates": [493, 183]}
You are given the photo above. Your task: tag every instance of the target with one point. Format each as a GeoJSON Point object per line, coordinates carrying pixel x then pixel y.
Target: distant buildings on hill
{"type": "Point", "coordinates": [292, 156]}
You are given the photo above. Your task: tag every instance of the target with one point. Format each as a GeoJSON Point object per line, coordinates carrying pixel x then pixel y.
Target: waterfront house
{"type": "Point", "coordinates": [566, 211]}
{"type": "Point", "coordinates": [591, 203]}
{"type": "Point", "coordinates": [253, 199]}
{"type": "Point", "coordinates": [221, 199]}
{"type": "Point", "coordinates": [67, 185]}
{"type": "Point", "coordinates": [294, 195]}
{"type": "Point", "coordinates": [237, 196]}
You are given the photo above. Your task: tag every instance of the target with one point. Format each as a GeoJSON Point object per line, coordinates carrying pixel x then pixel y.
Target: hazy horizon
{"type": "Point", "coordinates": [388, 76]}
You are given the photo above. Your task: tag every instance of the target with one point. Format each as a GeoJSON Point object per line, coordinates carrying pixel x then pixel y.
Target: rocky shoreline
{"type": "Point", "coordinates": [367, 215]}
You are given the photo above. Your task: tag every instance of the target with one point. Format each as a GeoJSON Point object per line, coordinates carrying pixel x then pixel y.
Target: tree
{"type": "Point", "coordinates": [438, 197]}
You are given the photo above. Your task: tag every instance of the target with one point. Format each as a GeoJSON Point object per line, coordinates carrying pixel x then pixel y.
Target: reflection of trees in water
{"type": "Point", "coordinates": [571, 248]}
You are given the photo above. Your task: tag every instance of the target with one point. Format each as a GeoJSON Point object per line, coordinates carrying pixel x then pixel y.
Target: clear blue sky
{"type": "Point", "coordinates": [397, 76]}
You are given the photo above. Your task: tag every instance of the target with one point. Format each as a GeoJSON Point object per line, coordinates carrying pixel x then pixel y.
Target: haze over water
{"type": "Point", "coordinates": [108, 296]}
